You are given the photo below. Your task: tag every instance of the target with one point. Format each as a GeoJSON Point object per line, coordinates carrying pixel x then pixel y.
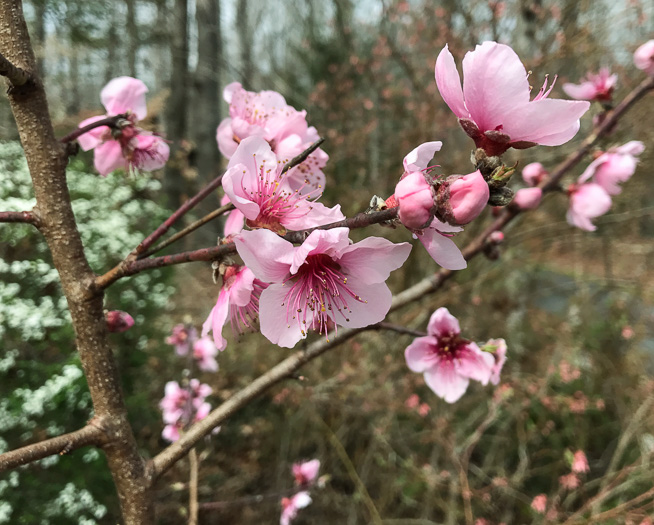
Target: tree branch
{"type": "Point", "coordinates": [91, 434]}
{"type": "Point", "coordinates": [17, 76]}
{"type": "Point", "coordinates": [26, 217]}
{"type": "Point", "coordinates": [113, 122]}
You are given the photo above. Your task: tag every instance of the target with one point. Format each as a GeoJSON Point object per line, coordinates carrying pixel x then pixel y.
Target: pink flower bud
{"type": "Point", "coordinates": [461, 198]}
{"type": "Point", "coordinates": [528, 198]}
{"type": "Point", "coordinates": [416, 200]}
{"type": "Point", "coordinates": [496, 237]}
{"type": "Point", "coordinates": [644, 57]}
{"type": "Point", "coordinates": [533, 173]}
{"type": "Point", "coordinates": [119, 321]}
{"type": "Point", "coordinates": [579, 462]}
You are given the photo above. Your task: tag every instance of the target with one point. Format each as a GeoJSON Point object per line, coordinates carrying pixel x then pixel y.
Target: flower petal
{"type": "Point", "coordinates": [374, 305]}
{"type": "Point", "coordinates": [273, 318]}
{"type": "Point", "coordinates": [475, 364]}
{"type": "Point", "coordinates": [418, 159]}
{"type": "Point", "coordinates": [109, 157]}
{"type": "Point", "coordinates": [445, 382]}
{"type": "Point", "coordinates": [225, 138]}
{"type": "Point", "coordinates": [442, 249]}
{"type": "Point", "coordinates": [125, 94]}
{"type": "Point", "coordinates": [420, 354]}
{"type": "Point", "coordinates": [266, 254]}
{"type": "Point", "coordinates": [93, 138]}
{"type": "Point", "coordinates": [448, 82]}
{"type": "Point", "coordinates": [373, 259]}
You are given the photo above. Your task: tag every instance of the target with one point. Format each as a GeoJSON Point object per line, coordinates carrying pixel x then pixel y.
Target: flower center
{"type": "Point", "coordinates": [449, 346]}
{"type": "Point", "coordinates": [317, 292]}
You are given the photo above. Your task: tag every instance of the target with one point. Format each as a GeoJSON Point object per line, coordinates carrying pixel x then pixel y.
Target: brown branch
{"type": "Point", "coordinates": [113, 122]}
{"type": "Point", "coordinates": [17, 76]}
{"type": "Point", "coordinates": [91, 434]}
{"type": "Point", "coordinates": [169, 456]}
{"type": "Point", "coordinates": [190, 228]}
{"type": "Point", "coordinates": [299, 159]}
{"type": "Point", "coordinates": [193, 487]}
{"type": "Point", "coordinates": [400, 329]}
{"type": "Point", "coordinates": [26, 217]}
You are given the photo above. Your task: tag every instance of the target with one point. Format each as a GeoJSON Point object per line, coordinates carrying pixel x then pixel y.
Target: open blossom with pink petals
{"type": "Point", "coordinates": [307, 472]}
{"type": "Point", "coordinates": [447, 360]}
{"type": "Point", "coordinates": [238, 301]}
{"type": "Point", "coordinates": [182, 406]}
{"type": "Point", "coordinates": [534, 173]}
{"type": "Point", "coordinates": [256, 184]}
{"type": "Point", "coordinates": [587, 201]}
{"type": "Point", "coordinates": [267, 115]}
{"type": "Point", "coordinates": [129, 148]}
{"type": "Point", "coordinates": [290, 506]}
{"type": "Point", "coordinates": [182, 338]}
{"type": "Point", "coordinates": [325, 280]}
{"type": "Point", "coordinates": [528, 198]}
{"type": "Point", "coordinates": [595, 86]}
{"type": "Point", "coordinates": [644, 57]}
{"type": "Point", "coordinates": [493, 106]}
{"type": "Point", "coordinates": [204, 352]}
{"type": "Point", "coordinates": [615, 166]}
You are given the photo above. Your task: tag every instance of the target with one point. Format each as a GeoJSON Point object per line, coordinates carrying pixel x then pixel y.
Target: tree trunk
{"type": "Point", "coordinates": [132, 37]}
{"type": "Point", "coordinates": [245, 43]}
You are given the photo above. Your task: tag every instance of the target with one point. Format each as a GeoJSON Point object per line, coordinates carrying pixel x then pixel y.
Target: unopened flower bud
{"type": "Point", "coordinates": [533, 173]}
{"type": "Point", "coordinates": [118, 321]}
{"type": "Point", "coordinates": [644, 57]}
{"type": "Point", "coordinates": [416, 200]}
{"type": "Point", "coordinates": [528, 198]}
{"type": "Point", "coordinates": [461, 198]}
{"type": "Point", "coordinates": [496, 237]}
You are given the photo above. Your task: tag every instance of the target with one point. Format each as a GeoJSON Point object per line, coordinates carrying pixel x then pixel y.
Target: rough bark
{"type": "Point", "coordinates": [47, 159]}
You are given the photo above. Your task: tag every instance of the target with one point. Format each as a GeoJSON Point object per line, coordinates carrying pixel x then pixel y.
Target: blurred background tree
{"type": "Point", "coordinates": [575, 308]}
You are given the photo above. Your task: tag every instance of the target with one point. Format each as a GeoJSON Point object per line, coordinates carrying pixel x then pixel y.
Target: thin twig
{"type": "Point", "coordinates": [26, 217]}
{"type": "Point", "coordinates": [91, 434]}
{"type": "Point", "coordinates": [113, 122]}
{"type": "Point", "coordinates": [400, 329]}
{"type": "Point", "coordinates": [190, 228]}
{"type": "Point", "coordinates": [193, 488]}
{"type": "Point", "coordinates": [299, 159]}
{"type": "Point", "coordinates": [17, 76]}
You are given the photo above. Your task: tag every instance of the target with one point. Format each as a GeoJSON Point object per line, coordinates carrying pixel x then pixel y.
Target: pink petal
{"type": "Point", "coordinates": [109, 157]}
{"type": "Point", "coordinates": [217, 319]}
{"type": "Point", "coordinates": [583, 91]}
{"type": "Point", "coordinates": [268, 256]}
{"type": "Point", "coordinates": [449, 83]}
{"type": "Point", "coordinates": [550, 122]}
{"type": "Point", "coordinates": [236, 181]}
{"type": "Point", "coordinates": [377, 302]}
{"type": "Point", "coordinates": [419, 158]}
{"type": "Point", "coordinates": [93, 138]}
{"type": "Point", "coordinates": [125, 94]}
{"type": "Point", "coordinates": [329, 242]}
{"type": "Point", "coordinates": [528, 198]}
{"type": "Point", "coordinates": [442, 249]}
{"type": "Point", "coordinates": [445, 382]}
{"type": "Point", "coordinates": [272, 313]}
{"type": "Point", "coordinates": [494, 83]}
{"type": "Point", "coordinates": [156, 152]}
{"type": "Point", "coordinates": [633, 147]}
{"type": "Point", "coordinates": [240, 289]}
{"type": "Point", "coordinates": [475, 364]}
{"type": "Point", "coordinates": [230, 89]}
{"type": "Point", "coordinates": [373, 259]}
{"type": "Point", "coordinates": [225, 138]}
{"type": "Point", "coordinates": [443, 323]}
{"type": "Point", "coordinates": [420, 355]}
{"type": "Point", "coordinates": [316, 214]}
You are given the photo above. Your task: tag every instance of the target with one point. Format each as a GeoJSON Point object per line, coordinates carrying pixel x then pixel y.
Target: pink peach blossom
{"type": "Point", "coordinates": [325, 280]}
{"type": "Point", "coordinates": [447, 360]}
{"type": "Point", "coordinates": [615, 166]}
{"type": "Point", "coordinates": [290, 506]}
{"type": "Point", "coordinates": [595, 87]}
{"type": "Point", "coordinates": [569, 481]}
{"type": "Point", "coordinates": [528, 198]}
{"type": "Point", "coordinates": [494, 107]}
{"type": "Point", "coordinates": [644, 57]}
{"type": "Point", "coordinates": [580, 463]}
{"type": "Point", "coordinates": [534, 173]}
{"type": "Point", "coordinates": [204, 352]}
{"type": "Point", "coordinates": [256, 184]}
{"type": "Point", "coordinates": [182, 406]}
{"type": "Point", "coordinates": [235, 219]}
{"type": "Point", "coordinates": [587, 201]}
{"type": "Point", "coordinates": [129, 148]}
{"type": "Point", "coordinates": [183, 338]}
{"type": "Point", "coordinates": [539, 503]}
{"type": "Point", "coordinates": [267, 115]}
{"type": "Point", "coordinates": [415, 199]}
{"type": "Point", "coordinates": [307, 472]}
{"type": "Point", "coordinates": [238, 301]}
{"type": "Point", "coordinates": [118, 321]}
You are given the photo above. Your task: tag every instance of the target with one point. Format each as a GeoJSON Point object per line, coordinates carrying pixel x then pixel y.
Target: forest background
{"type": "Point", "coordinates": [575, 308]}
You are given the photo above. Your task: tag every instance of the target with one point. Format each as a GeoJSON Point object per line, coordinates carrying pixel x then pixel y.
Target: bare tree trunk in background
{"type": "Point", "coordinates": [112, 39]}
{"type": "Point", "coordinates": [132, 37]}
{"type": "Point", "coordinates": [207, 102]}
{"type": "Point", "coordinates": [245, 43]}
{"type": "Point", "coordinates": [73, 105]}
{"type": "Point", "coordinates": [176, 130]}
{"type": "Point", "coordinates": [40, 7]}
{"type": "Point", "coordinates": [161, 56]}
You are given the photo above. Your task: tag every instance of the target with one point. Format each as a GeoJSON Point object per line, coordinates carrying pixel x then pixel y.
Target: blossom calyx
{"type": "Point", "coordinates": [461, 198]}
